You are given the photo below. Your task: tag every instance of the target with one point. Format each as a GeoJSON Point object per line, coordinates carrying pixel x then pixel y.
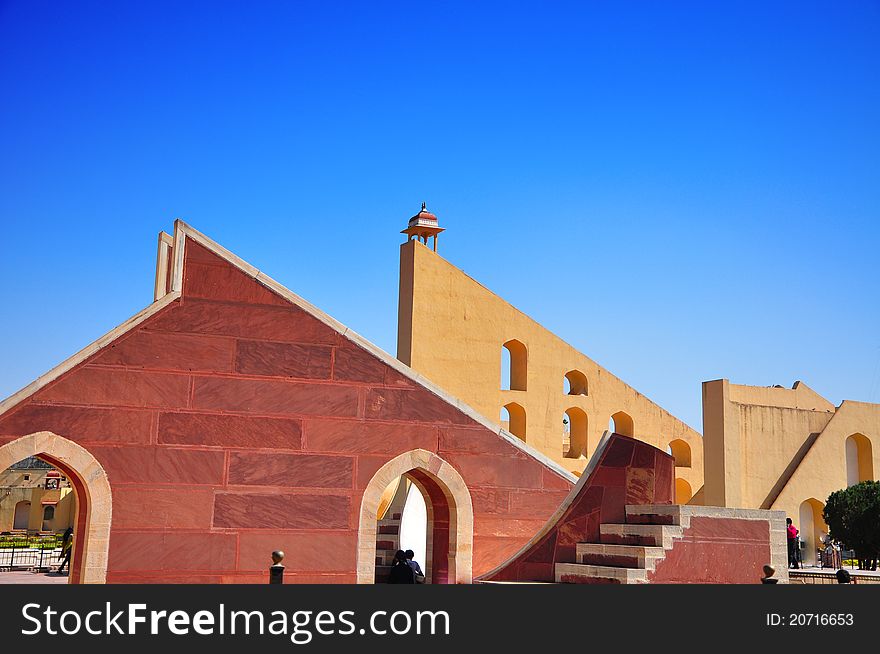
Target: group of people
{"type": "Point", "coordinates": [405, 569]}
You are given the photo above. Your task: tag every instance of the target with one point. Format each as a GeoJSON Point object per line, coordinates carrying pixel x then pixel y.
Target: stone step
{"type": "Point", "coordinates": [579, 573]}
{"type": "Point", "coordinates": [624, 556]}
{"type": "Point", "coordinates": [636, 534]}
{"type": "Point", "coordinates": [653, 514]}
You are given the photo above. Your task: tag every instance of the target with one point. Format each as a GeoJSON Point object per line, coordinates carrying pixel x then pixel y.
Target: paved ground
{"type": "Point", "coordinates": [20, 577]}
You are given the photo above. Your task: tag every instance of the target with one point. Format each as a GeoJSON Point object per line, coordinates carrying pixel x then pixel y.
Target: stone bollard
{"type": "Point", "coordinates": [276, 571]}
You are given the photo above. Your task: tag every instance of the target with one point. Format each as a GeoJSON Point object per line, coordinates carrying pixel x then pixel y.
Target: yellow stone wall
{"type": "Point", "coordinates": [451, 329]}
{"type": "Point", "coordinates": [784, 449]}
{"type": "Point", "coordinates": [14, 488]}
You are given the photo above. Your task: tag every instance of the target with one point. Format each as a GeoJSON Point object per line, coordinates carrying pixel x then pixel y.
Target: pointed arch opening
{"type": "Point", "coordinates": [574, 435]}
{"type": "Point", "coordinates": [859, 460]}
{"type": "Point", "coordinates": [575, 383]}
{"type": "Point", "coordinates": [91, 530]}
{"type": "Point", "coordinates": [681, 452]}
{"type": "Point", "coordinates": [811, 528]}
{"type": "Point", "coordinates": [514, 366]}
{"type": "Point", "coordinates": [621, 423]}
{"type": "Point", "coordinates": [513, 419]}
{"type": "Point", "coordinates": [450, 517]}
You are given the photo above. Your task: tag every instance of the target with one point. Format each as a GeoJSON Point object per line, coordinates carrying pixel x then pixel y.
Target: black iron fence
{"type": "Point", "coordinates": [29, 551]}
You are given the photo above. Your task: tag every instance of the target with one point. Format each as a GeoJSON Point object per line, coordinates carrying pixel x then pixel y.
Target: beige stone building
{"type": "Point", "coordinates": [482, 350]}
{"type": "Point", "coordinates": [786, 449]}
{"type": "Point", "coordinates": [768, 448]}
{"type": "Point", "coordinates": [35, 497]}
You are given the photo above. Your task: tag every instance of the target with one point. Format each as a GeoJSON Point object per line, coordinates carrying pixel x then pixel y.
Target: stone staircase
{"type": "Point", "coordinates": [387, 544]}
{"type": "Point", "coordinates": [625, 552]}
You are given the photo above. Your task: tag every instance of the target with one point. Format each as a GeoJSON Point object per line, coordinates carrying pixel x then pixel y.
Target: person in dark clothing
{"type": "Point", "coordinates": [417, 569]}
{"type": "Point", "coordinates": [843, 577]}
{"type": "Point", "coordinates": [401, 572]}
{"type": "Point", "coordinates": [791, 533]}
{"type": "Point", "coordinates": [66, 548]}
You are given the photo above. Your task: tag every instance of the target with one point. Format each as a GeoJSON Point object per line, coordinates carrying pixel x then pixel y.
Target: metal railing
{"type": "Point", "coordinates": [29, 551]}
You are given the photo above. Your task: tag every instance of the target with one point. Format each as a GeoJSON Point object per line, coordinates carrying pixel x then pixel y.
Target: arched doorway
{"type": "Point", "coordinates": [88, 562]}
{"type": "Point", "coordinates": [22, 515]}
{"type": "Point", "coordinates": [450, 517]}
{"type": "Point", "coordinates": [811, 527]}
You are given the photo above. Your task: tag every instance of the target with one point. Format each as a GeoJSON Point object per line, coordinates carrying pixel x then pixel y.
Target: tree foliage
{"type": "Point", "coordinates": [853, 518]}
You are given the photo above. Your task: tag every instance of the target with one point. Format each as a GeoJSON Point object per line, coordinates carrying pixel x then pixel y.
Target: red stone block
{"type": "Point", "coordinates": [553, 481]}
{"type": "Point", "coordinates": [394, 378]}
{"type": "Point", "coordinates": [80, 424]}
{"type": "Point", "coordinates": [306, 578]}
{"type": "Point", "coordinates": [290, 470]}
{"type": "Point", "coordinates": [171, 552]}
{"type": "Point", "coordinates": [156, 508]}
{"type": "Point", "coordinates": [123, 388]}
{"type": "Point", "coordinates": [303, 552]}
{"type": "Point", "coordinates": [490, 551]}
{"type": "Point", "coordinates": [417, 404]}
{"type": "Point", "coordinates": [198, 253]}
{"type": "Point", "coordinates": [535, 504]}
{"type": "Point", "coordinates": [619, 453]}
{"type": "Point", "coordinates": [151, 577]}
{"type": "Point", "coordinates": [501, 471]}
{"type": "Point", "coordinates": [367, 466]}
{"type": "Point", "coordinates": [353, 363]}
{"type": "Point", "coordinates": [476, 441]}
{"type": "Point", "coordinates": [273, 511]}
{"type": "Point", "coordinates": [161, 465]}
{"type": "Point", "coordinates": [226, 283]}
{"type": "Point", "coordinates": [230, 431]}
{"type": "Point", "coordinates": [287, 324]}
{"type": "Point", "coordinates": [368, 437]}
{"type": "Point", "coordinates": [283, 359]}
{"type": "Point", "coordinates": [145, 349]}
{"type": "Point", "coordinates": [275, 397]}
{"type": "Point", "coordinates": [507, 526]}
{"type": "Point", "coordinates": [490, 500]}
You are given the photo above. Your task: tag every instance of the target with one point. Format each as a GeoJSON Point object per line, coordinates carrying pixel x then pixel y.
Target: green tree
{"type": "Point", "coordinates": [853, 518]}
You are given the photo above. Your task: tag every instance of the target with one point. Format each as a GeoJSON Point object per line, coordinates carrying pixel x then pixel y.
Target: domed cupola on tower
{"type": "Point", "coordinates": [423, 226]}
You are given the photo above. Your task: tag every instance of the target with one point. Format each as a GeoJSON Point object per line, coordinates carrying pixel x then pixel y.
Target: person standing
{"type": "Point", "coordinates": [792, 537]}
{"type": "Point", "coordinates": [417, 569]}
{"type": "Point", "coordinates": [66, 548]}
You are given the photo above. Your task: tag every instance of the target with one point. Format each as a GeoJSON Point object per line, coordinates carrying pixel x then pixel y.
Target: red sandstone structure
{"type": "Point", "coordinates": [231, 418]}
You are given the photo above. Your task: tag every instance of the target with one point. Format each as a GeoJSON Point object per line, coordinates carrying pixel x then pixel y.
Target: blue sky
{"type": "Point", "coordinates": [682, 190]}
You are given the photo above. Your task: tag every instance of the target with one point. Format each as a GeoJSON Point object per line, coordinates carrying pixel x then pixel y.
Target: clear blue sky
{"type": "Point", "coordinates": [682, 190]}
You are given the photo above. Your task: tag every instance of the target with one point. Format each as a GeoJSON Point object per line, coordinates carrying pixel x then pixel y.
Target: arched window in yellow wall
{"type": "Point", "coordinates": [859, 460]}
{"type": "Point", "coordinates": [575, 383]}
{"type": "Point", "coordinates": [21, 518]}
{"type": "Point", "coordinates": [513, 418]}
{"type": "Point", "coordinates": [514, 366]}
{"type": "Point", "coordinates": [681, 452]}
{"type": "Point", "coordinates": [621, 423]}
{"type": "Point", "coordinates": [683, 492]}
{"type": "Point", "coordinates": [574, 438]}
